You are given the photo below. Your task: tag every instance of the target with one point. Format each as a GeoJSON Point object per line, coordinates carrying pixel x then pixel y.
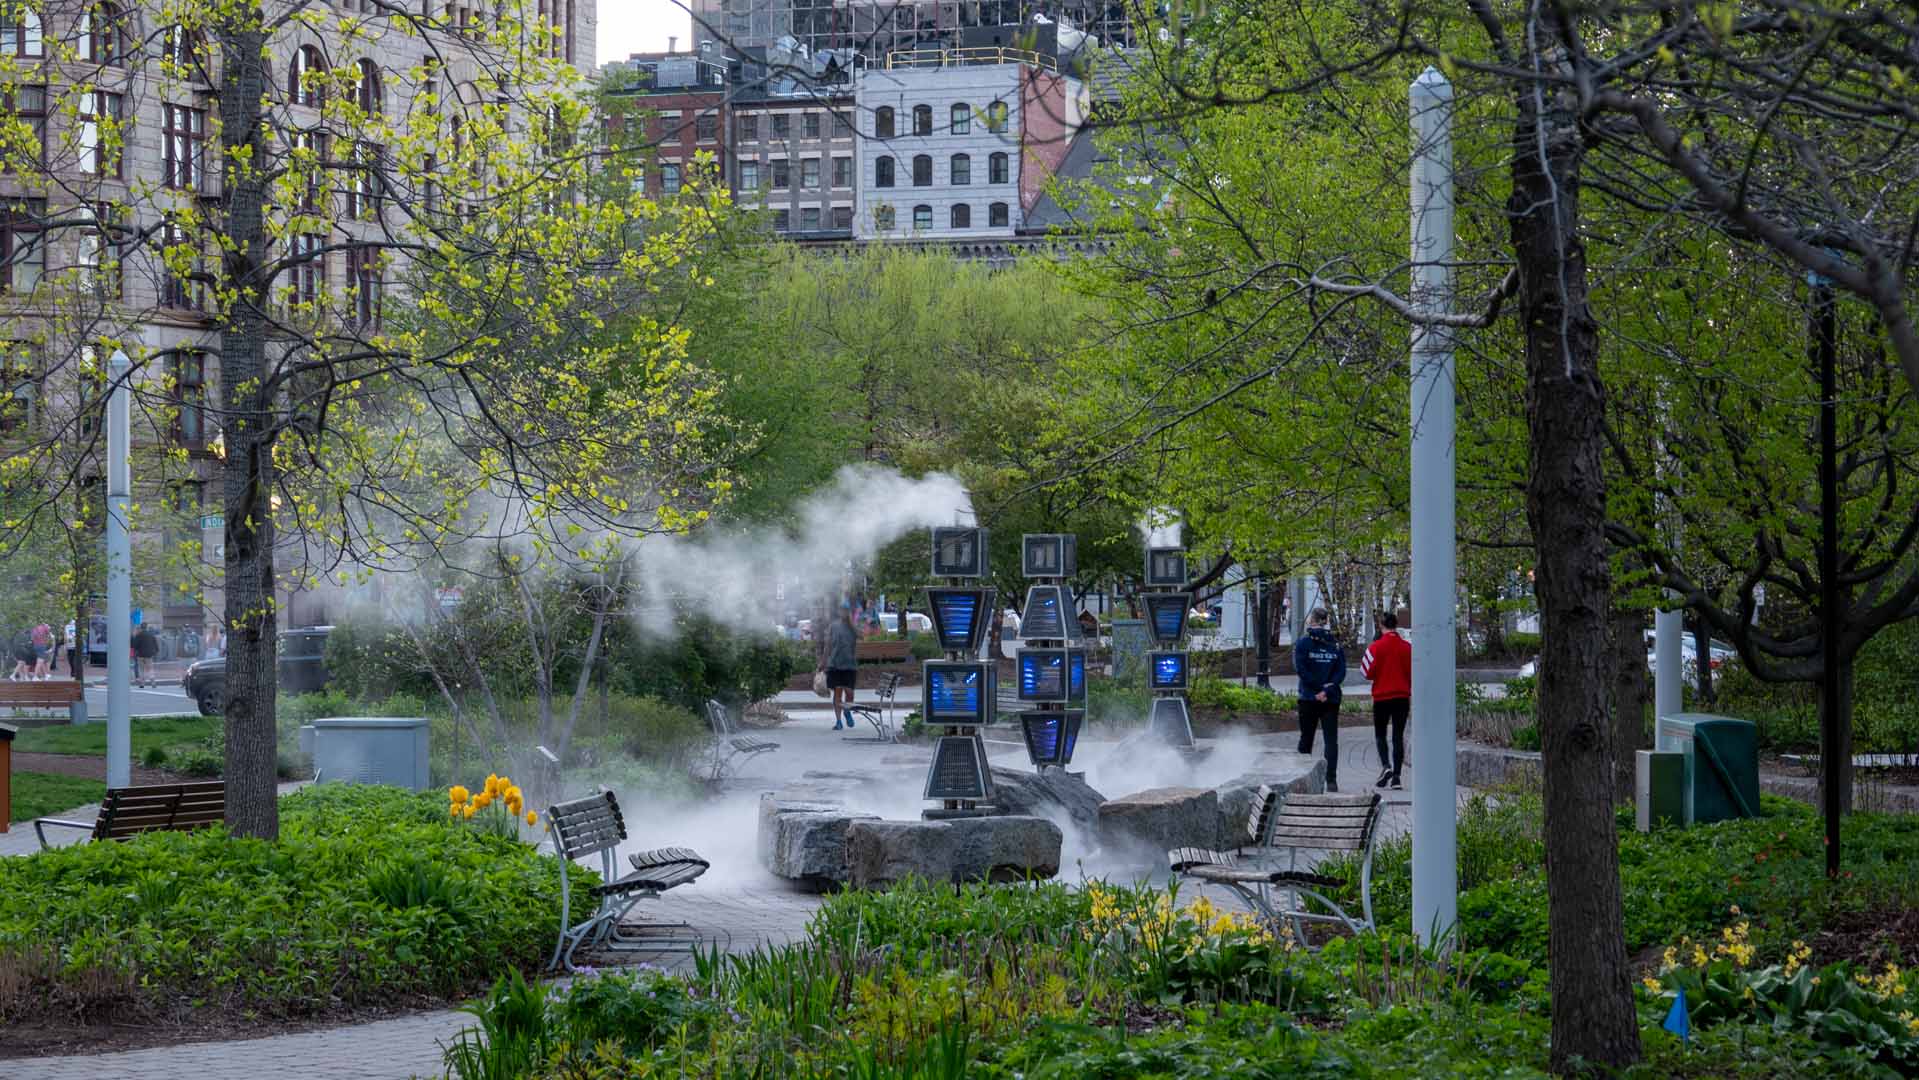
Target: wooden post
{"type": "Point", "coordinates": [7, 732]}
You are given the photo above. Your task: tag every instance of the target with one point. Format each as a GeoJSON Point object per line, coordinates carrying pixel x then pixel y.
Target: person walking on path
{"type": "Point", "coordinates": [1321, 665]}
{"type": "Point", "coordinates": [145, 647]}
{"type": "Point", "coordinates": [842, 665]}
{"type": "Point", "coordinates": [1388, 665]}
{"type": "Point", "coordinates": [42, 639]}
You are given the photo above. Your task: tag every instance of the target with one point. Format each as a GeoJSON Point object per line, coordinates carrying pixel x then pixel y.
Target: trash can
{"type": "Point", "coordinates": [1720, 776]}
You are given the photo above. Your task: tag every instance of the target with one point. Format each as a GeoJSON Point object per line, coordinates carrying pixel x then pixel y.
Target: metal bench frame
{"type": "Point", "coordinates": [129, 811]}
{"type": "Point", "coordinates": [880, 715]}
{"type": "Point", "coordinates": [594, 826]}
{"type": "Point", "coordinates": [1296, 823]}
{"type": "Point", "coordinates": [729, 747]}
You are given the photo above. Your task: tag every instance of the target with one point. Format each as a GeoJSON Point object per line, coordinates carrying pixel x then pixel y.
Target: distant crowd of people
{"type": "Point", "coordinates": [37, 651]}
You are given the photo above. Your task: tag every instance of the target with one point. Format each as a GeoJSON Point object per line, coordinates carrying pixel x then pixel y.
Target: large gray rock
{"type": "Point", "coordinates": [1055, 794]}
{"type": "Point", "coordinates": [1146, 824]}
{"type": "Point", "coordinates": [1290, 773]}
{"type": "Point", "coordinates": [805, 841]}
{"type": "Point", "coordinates": [998, 848]}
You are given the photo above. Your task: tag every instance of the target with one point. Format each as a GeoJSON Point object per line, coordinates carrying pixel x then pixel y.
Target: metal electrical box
{"type": "Point", "coordinates": [371, 750]}
{"type": "Point", "coordinates": [1659, 781]}
{"type": "Point", "coordinates": [1720, 764]}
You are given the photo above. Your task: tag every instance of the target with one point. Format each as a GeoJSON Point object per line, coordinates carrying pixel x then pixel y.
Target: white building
{"type": "Point", "coordinates": [959, 144]}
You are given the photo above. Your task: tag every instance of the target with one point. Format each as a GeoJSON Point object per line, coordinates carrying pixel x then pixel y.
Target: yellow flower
{"type": "Point", "coordinates": [468, 811]}
{"type": "Point", "coordinates": [1735, 909]}
{"type": "Point", "coordinates": [458, 794]}
{"type": "Point", "coordinates": [482, 800]}
{"type": "Point", "coordinates": [492, 784]}
{"type": "Point", "coordinates": [532, 818]}
{"type": "Point", "coordinates": [1651, 984]}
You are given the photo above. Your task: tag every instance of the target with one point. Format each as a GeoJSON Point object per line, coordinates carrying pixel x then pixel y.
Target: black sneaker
{"type": "Point", "coordinates": [1396, 785]}
{"type": "Point", "coordinates": [1385, 777]}
{"type": "Point", "coordinates": [1332, 787]}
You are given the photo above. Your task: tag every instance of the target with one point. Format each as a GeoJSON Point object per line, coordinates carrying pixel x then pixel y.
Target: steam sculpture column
{"type": "Point", "coordinates": [1052, 666]}
{"type": "Point", "coordinates": [959, 692]}
{"type": "Point", "coordinates": [1167, 667]}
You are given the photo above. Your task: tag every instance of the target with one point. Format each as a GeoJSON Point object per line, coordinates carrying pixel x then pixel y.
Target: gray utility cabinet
{"type": "Point", "coordinates": [369, 750]}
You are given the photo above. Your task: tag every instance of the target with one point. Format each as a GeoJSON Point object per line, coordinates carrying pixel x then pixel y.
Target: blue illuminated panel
{"type": "Point", "coordinates": [956, 693]}
{"type": "Point", "coordinates": [1051, 737]}
{"type": "Point", "coordinates": [1166, 671]}
{"type": "Point", "coordinates": [959, 616]}
{"type": "Point", "coordinates": [1166, 616]}
{"type": "Point", "coordinates": [1042, 675]}
{"type": "Point", "coordinates": [1076, 675]}
{"type": "Point", "coordinates": [1044, 618]}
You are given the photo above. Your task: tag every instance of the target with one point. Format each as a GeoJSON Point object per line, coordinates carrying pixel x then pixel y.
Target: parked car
{"type": "Point", "coordinates": [915, 622]}
{"type": "Point", "coordinates": [302, 664]}
{"type": "Point", "coordinates": [1688, 659]}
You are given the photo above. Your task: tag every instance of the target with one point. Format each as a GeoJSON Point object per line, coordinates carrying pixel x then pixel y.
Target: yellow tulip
{"type": "Point", "coordinates": [532, 818]}
{"type": "Point", "coordinates": [469, 810]}
{"type": "Point", "coordinates": [458, 794]}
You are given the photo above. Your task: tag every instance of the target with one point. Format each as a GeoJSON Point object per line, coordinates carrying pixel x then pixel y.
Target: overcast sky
{"type": "Point", "coordinates": [630, 26]}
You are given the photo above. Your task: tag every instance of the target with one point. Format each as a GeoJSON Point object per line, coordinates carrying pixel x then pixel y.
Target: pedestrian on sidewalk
{"type": "Point", "coordinates": [1320, 663]}
{"type": "Point", "coordinates": [842, 665]}
{"type": "Point", "coordinates": [146, 646]}
{"type": "Point", "coordinates": [42, 639]}
{"type": "Point", "coordinates": [1388, 665]}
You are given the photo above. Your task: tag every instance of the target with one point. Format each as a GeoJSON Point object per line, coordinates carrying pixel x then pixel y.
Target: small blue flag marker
{"type": "Point", "coordinates": [1679, 1020]}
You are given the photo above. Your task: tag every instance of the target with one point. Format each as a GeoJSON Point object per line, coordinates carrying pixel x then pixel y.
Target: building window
{"type": "Point", "coordinates": [363, 188]}
{"type": "Point", "coordinates": [810, 219]}
{"type": "Point", "coordinates": [782, 174]}
{"type": "Point", "coordinates": [783, 220]}
{"type": "Point", "coordinates": [23, 250]}
{"type": "Point", "coordinates": [99, 261]}
{"type": "Point", "coordinates": [28, 105]}
{"type": "Point", "coordinates": [922, 170]}
{"type": "Point", "coordinates": [363, 277]}
{"type": "Point", "coordinates": [20, 34]}
{"type": "Point", "coordinates": [102, 33]}
{"type": "Point", "coordinates": [842, 129]}
{"type": "Point", "coordinates": [300, 89]}
{"type": "Point", "coordinates": [187, 374]}
{"type": "Point", "coordinates": [313, 150]}
{"type": "Point", "coordinates": [183, 137]}
{"type": "Point", "coordinates": [749, 176]}
{"type": "Point", "coordinates": [367, 91]}
{"type": "Point", "coordinates": [996, 117]}
{"type": "Point", "coordinates": [100, 140]}
{"type": "Point", "coordinates": [670, 179]}
{"type": "Point", "coordinates": [922, 119]}
{"type": "Point", "coordinates": [19, 385]}
{"type": "Point", "coordinates": [810, 125]}
{"type": "Point", "coordinates": [309, 265]}
{"type": "Point", "coordinates": [996, 215]}
{"type": "Point", "coordinates": [922, 218]}
{"type": "Point", "coordinates": [179, 287]}
{"type": "Point", "coordinates": [883, 172]}
{"type": "Point", "coordinates": [182, 48]}
{"type": "Point", "coordinates": [883, 122]}
{"type": "Point", "coordinates": [962, 216]}
{"type": "Point", "coordinates": [842, 217]}
{"type": "Point", "coordinates": [962, 118]}
{"type": "Point", "coordinates": [842, 172]}
{"type": "Point", "coordinates": [782, 125]}
{"type": "Point", "coordinates": [706, 127]}
{"type": "Point", "coordinates": [883, 218]}
{"type": "Point", "coordinates": [810, 173]}
{"type": "Point", "coordinates": [996, 172]}
{"type": "Point", "coordinates": [960, 170]}
{"type": "Point", "coordinates": [748, 127]}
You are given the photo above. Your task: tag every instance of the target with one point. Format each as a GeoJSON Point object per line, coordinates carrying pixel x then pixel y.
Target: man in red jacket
{"type": "Point", "coordinates": [1388, 664]}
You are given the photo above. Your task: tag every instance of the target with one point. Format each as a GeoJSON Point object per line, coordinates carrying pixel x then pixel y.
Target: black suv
{"type": "Point", "coordinates": [302, 670]}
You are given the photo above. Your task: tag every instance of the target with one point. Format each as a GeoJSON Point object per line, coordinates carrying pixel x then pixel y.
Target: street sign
{"type": "Point", "coordinates": [213, 521]}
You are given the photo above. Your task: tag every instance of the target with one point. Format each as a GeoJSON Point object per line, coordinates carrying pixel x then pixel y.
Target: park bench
{"type": "Point", "coordinates": [890, 651]}
{"type": "Point", "coordinates": [881, 714]}
{"type": "Point", "coordinates": [1300, 825]}
{"type": "Point", "coordinates": [594, 826]}
{"type": "Point", "coordinates": [66, 694]}
{"type": "Point", "coordinates": [729, 747]}
{"type": "Point", "coordinates": [130, 811]}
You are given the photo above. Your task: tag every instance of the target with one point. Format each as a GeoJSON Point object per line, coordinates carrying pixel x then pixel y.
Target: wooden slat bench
{"type": "Point", "coordinates": [1298, 824]}
{"type": "Point", "coordinates": [66, 694]}
{"type": "Point", "coordinates": [594, 826]}
{"type": "Point", "coordinates": [129, 811]}
{"type": "Point", "coordinates": [891, 651]}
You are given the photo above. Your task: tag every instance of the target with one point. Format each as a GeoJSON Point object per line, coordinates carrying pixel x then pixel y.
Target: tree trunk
{"type": "Point", "coordinates": [1841, 750]}
{"type": "Point", "coordinates": [1702, 649]}
{"type": "Point", "coordinates": [251, 617]}
{"type": "Point", "coordinates": [1629, 696]}
{"type": "Point", "coordinates": [1594, 1021]}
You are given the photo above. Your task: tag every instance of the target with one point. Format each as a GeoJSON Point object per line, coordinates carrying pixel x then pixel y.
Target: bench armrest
{"type": "Point", "coordinates": [39, 828]}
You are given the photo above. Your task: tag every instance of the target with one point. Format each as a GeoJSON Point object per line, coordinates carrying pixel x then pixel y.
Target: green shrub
{"type": "Point", "coordinates": [155, 757]}
{"type": "Point", "coordinates": [1234, 698]}
{"type": "Point", "coordinates": [926, 647]}
{"type": "Point", "coordinates": [1109, 701]}
{"type": "Point", "coordinates": [1526, 738]}
{"type": "Point", "coordinates": [203, 763]}
{"type": "Point", "coordinates": [369, 895]}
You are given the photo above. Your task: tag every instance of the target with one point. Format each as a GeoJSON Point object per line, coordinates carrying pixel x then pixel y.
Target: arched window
{"type": "Point", "coordinates": [883, 218]}
{"type": "Point", "coordinates": [306, 60]}
{"type": "Point", "coordinates": [182, 48]}
{"type": "Point", "coordinates": [20, 34]}
{"type": "Point", "coordinates": [996, 116]}
{"type": "Point", "coordinates": [883, 122]}
{"type": "Point", "coordinates": [103, 33]}
{"type": "Point", "coordinates": [922, 119]}
{"type": "Point", "coordinates": [922, 218]}
{"type": "Point", "coordinates": [369, 88]}
{"type": "Point", "coordinates": [962, 216]}
{"type": "Point", "coordinates": [960, 170]}
{"type": "Point", "coordinates": [996, 215]}
{"type": "Point", "coordinates": [996, 169]}
{"type": "Point", "coordinates": [962, 120]}
{"type": "Point", "coordinates": [883, 172]}
{"type": "Point", "coordinates": [922, 170]}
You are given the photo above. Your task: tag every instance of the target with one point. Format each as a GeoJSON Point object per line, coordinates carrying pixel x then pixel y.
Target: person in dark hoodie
{"type": "Point", "coordinates": [1321, 666]}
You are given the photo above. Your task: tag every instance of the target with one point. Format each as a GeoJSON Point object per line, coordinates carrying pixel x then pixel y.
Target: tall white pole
{"type": "Point", "coordinates": [1435, 810]}
{"type": "Point", "coordinates": [119, 576]}
{"type": "Point", "coordinates": [1667, 626]}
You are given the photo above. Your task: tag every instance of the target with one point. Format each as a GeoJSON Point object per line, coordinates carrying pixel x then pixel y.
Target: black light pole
{"type": "Point", "coordinates": [1826, 348]}
{"type": "Point", "coordinates": [1263, 635]}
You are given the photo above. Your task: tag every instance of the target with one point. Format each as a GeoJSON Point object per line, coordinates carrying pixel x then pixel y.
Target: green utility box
{"type": "Point", "coordinates": [1661, 786]}
{"type": "Point", "coordinates": [1720, 778]}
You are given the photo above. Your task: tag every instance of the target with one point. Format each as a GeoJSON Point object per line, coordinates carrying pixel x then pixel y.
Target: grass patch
{"type": "Point", "coordinates": [171, 734]}
{"type": "Point", "coordinates": [39, 794]}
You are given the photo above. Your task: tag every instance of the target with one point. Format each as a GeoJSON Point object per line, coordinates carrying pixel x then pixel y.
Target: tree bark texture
{"type": "Point", "coordinates": [1594, 1021]}
{"type": "Point", "coordinates": [1629, 691]}
{"type": "Point", "coordinates": [1842, 746]}
{"type": "Point", "coordinates": [248, 471]}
